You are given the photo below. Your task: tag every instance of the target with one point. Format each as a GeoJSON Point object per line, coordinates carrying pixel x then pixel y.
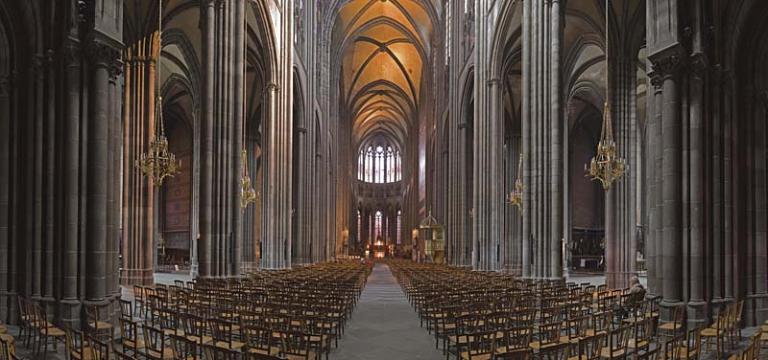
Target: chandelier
{"type": "Point", "coordinates": [247, 193]}
{"type": "Point", "coordinates": [606, 167]}
{"type": "Point", "coordinates": [158, 163]}
{"type": "Point", "coordinates": [515, 197]}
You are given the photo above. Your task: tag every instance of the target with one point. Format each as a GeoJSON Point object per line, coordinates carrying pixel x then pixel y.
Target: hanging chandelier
{"type": "Point", "coordinates": [247, 193]}
{"type": "Point", "coordinates": [159, 163]}
{"type": "Point", "coordinates": [606, 167]}
{"type": "Point", "coordinates": [515, 197]}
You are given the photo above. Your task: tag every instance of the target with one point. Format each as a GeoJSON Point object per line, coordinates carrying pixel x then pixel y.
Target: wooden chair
{"type": "Point", "coordinates": [296, 346]}
{"type": "Point", "coordinates": [514, 343]}
{"type": "Point", "coordinates": [77, 347]}
{"type": "Point", "coordinates": [718, 331]}
{"type": "Point", "coordinates": [222, 333]}
{"type": "Point", "coordinates": [549, 335]}
{"type": "Point", "coordinates": [687, 347]}
{"type": "Point", "coordinates": [98, 324]}
{"type": "Point", "coordinates": [260, 341]}
{"type": "Point", "coordinates": [45, 330]}
{"type": "Point", "coordinates": [642, 336]}
{"type": "Point", "coordinates": [194, 329]}
{"type": "Point", "coordinates": [119, 355]}
{"type": "Point", "coordinates": [219, 353]}
{"type": "Point", "coordinates": [7, 351]}
{"type": "Point", "coordinates": [155, 347]}
{"type": "Point", "coordinates": [555, 352]}
{"type": "Point", "coordinates": [590, 347]}
{"type": "Point", "coordinates": [618, 339]}
{"type": "Point", "coordinates": [671, 328]}
{"type": "Point", "coordinates": [100, 350]}
{"type": "Point", "coordinates": [129, 336]}
{"type": "Point", "coordinates": [183, 348]}
{"type": "Point", "coordinates": [480, 346]}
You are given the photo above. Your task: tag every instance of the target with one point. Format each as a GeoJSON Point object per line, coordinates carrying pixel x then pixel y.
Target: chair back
{"type": "Point", "coordinates": [555, 352]}
{"type": "Point", "coordinates": [183, 348]}
{"type": "Point", "coordinates": [100, 350]}
{"type": "Point", "coordinates": [219, 353]}
{"type": "Point", "coordinates": [75, 341]}
{"type": "Point", "coordinates": [590, 347]}
{"type": "Point", "coordinates": [154, 341]}
{"type": "Point", "coordinates": [295, 344]}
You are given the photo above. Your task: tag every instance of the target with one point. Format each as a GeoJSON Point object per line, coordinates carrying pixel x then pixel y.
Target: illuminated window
{"type": "Point", "coordinates": [399, 226]}
{"type": "Point", "coordinates": [379, 164]}
{"type": "Point", "coordinates": [377, 225]}
{"type": "Point", "coordinates": [359, 226]}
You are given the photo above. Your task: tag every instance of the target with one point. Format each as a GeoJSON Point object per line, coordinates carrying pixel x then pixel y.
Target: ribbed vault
{"type": "Point", "coordinates": [384, 60]}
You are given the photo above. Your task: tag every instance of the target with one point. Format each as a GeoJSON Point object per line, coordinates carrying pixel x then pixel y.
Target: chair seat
{"type": "Point", "coordinates": [100, 325]}
{"type": "Point", "coordinates": [271, 351]}
{"type": "Point", "coordinates": [711, 332]}
{"type": "Point", "coordinates": [634, 344]}
{"type": "Point", "coordinates": [234, 345]}
{"type": "Point", "coordinates": [670, 326]}
{"type": "Point", "coordinates": [505, 350]}
{"type": "Point", "coordinates": [196, 339]}
{"type": "Point", "coordinates": [55, 332]}
{"type": "Point", "coordinates": [537, 345]}
{"type": "Point", "coordinates": [467, 355]}
{"type": "Point", "coordinates": [86, 355]}
{"type": "Point", "coordinates": [138, 344]}
{"type": "Point", "coordinates": [607, 353]}
{"type": "Point", "coordinates": [167, 354]}
{"type": "Point", "coordinates": [3, 330]}
{"type": "Point", "coordinates": [310, 355]}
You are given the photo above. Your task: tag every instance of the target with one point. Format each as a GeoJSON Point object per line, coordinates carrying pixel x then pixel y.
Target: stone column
{"type": "Point", "coordinates": [697, 310]}
{"type": "Point", "coordinates": [138, 190]}
{"type": "Point", "coordinates": [555, 144]}
{"type": "Point", "coordinates": [667, 67]}
{"type": "Point", "coordinates": [5, 180]}
{"type": "Point", "coordinates": [103, 57]}
{"type": "Point", "coordinates": [526, 140]}
{"type": "Point", "coordinates": [205, 243]}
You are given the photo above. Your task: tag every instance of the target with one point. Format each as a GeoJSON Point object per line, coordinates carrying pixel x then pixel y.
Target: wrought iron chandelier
{"type": "Point", "coordinates": [159, 163]}
{"type": "Point", "coordinates": [606, 167]}
{"type": "Point", "coordinates": [515, 197]}
{"type": "Point", "coordinates": [247, 193]}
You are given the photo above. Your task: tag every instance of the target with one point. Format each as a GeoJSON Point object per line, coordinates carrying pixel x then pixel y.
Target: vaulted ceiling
{"type": "Point", "coordinates": [385, 47]}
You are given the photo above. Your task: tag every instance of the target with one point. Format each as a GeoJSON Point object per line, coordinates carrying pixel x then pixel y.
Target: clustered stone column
{"type": "Point", "coordinates": [488, 140]}
{"type": "Point", "coordinates": [542, 115]}
{"type": "Point", "coordinates": [277, 192]}
{"type": "Point", "coordinates": [220, 243]}
{"type": "Point", "coordinates": [59, 182]}
{"type": "Point", "coordinates": [138, 190]}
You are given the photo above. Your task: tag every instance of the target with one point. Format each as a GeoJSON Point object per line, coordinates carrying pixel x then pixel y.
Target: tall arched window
{"type": "Point", "coordinates": [379, 164]}
{"type": "Point", "coordinates": [377, 224]}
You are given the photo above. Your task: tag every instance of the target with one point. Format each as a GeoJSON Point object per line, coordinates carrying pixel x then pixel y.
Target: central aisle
{"type": "Point", "coordinates": [384, 326]}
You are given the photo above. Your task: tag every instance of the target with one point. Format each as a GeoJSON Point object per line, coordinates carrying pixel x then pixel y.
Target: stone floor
{"type": "Point", "coordinates": [384, 325]}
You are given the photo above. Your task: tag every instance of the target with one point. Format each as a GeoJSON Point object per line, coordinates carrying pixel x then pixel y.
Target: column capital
{"type": "Point", "coordinates": [699, 64]}
{"type": "Point", "coordinates": [72, 52]}
{"type": "Point", "coordinates": [102, 54]}
{"type": "Point", "coordinates": [272, 87]}
{"type": "Point", "coordinates": [494, 82]}
{"type": "Point", "coordinates": [667, 62]}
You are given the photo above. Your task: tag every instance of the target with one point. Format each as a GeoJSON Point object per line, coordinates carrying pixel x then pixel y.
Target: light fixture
{"type": "Point", "coordinates": [159, 163]}
{"type": "Point", "coordinates": [515, 197]}
{"type": "Point", "coordinates": [606, 167]}
{"type": "Point", "coordinates": [247, 193]}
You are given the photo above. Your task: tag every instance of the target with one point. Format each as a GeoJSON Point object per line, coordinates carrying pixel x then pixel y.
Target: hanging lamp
{"type": "Point", "coordinates": [606, 167]}
{"type": "Point", "coordinates": [247, 192]}
{"type": "Point", "coordinates": [158, 163]}
{"type": "Point", "coordinates": [515, 197]}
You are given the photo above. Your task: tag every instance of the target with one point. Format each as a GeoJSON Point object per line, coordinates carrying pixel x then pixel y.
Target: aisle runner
{"type": "Point", "coordinates": [384, 325]}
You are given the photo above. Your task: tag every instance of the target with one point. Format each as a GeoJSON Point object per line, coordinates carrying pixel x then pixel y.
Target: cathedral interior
{"type": "Point", "coordinates": [383, 179]}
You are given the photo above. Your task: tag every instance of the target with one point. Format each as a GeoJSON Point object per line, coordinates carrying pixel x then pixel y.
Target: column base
{"type": "Point", "coordinates": [666, 307]}
{"type": "Point", "coordinates": [756, 309]}
{"type": "Point", "coordinates": [698, 314]}
{"type": "Point", "coordinates": [69, 312]}
{"type": "Point", "coordinates": [9, 310]}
